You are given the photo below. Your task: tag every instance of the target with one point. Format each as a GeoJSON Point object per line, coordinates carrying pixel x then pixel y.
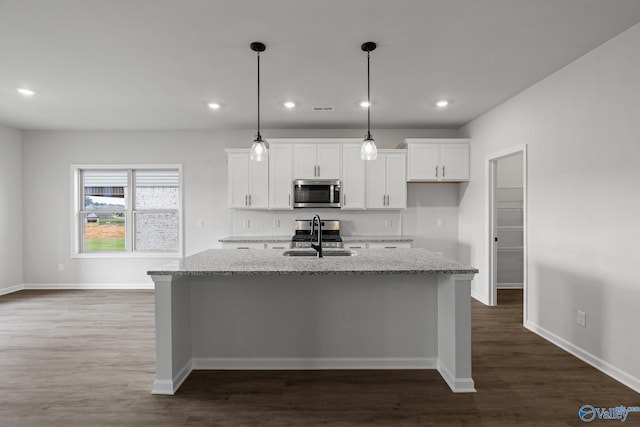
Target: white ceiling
{"type": "Point", "coordinates": [153, 64]}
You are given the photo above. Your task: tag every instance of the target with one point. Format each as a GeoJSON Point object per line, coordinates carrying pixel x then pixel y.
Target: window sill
{"type": "Point", "coordinates": [127, 255]}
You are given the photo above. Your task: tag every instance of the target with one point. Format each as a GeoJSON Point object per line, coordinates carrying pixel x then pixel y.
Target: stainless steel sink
{"type": "Point", "coordinates": [325, 252]}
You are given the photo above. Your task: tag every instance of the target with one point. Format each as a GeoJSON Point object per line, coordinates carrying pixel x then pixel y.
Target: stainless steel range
{"type": "Point", "coordinates": [330, 234]}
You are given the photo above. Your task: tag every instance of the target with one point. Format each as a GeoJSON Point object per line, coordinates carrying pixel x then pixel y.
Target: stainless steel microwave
{"type": "Point", "coordinates": [316, 193]}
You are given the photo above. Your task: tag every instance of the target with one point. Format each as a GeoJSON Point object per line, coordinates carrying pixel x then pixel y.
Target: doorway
{"type": "Point", "coordinates": [507, 237]}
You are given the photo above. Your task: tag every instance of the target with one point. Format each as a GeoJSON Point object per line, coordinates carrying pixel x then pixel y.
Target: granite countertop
{"type": "Point", "coordinates": [345, 238]}
{"type": "Point", "coordinates": [224, 262]}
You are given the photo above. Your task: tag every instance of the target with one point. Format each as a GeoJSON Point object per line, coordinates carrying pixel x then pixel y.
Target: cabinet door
{"type": "Point", "coordinates": [304, 161]}
{"type": "Point", "coordinates": [258, 184]}
{"type": "Point", "coordinates": [454, 159]}
{"type": "Point", "coordinates": [375, 182]}
{"type": "Point", "coordinates": [328, 161]}
{"type": "Point", "coordinates": [423, 161]}
{"type": "Point", "coordinates": [396, 181]}
{"type": "Point", "coordinates": [280, 180]}
{"type": "Point", "coordinates": [238, 180]}
{"type": "Point", "coordinates": [353, 178]}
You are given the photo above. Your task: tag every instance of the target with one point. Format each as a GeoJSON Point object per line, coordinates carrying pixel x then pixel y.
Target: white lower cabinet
{"type": "Point", "coordinates": [389, 245]}
{"type": "Point", "coordinates": [279, 245]}
{"type": "Point", "coordinates": [377, 245]}
{"type": "Point", "coordinates": [238, 245]}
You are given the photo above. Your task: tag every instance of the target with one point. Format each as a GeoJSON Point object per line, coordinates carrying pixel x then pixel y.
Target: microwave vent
{"type": "Point", "coordinates": [323, 108]}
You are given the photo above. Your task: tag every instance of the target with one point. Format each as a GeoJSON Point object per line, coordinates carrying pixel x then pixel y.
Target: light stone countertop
{"type": "Point", "coordinates": [224, 262]}
{"type": "Point", "coordinates": [345, 238]}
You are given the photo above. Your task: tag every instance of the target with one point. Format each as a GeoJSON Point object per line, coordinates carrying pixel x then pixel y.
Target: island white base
{"type": "Point", "coordinates": [277, 322]}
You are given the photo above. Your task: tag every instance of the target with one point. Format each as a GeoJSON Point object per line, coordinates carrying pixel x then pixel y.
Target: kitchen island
{"type": "Point", "coordinates": [257, 309]}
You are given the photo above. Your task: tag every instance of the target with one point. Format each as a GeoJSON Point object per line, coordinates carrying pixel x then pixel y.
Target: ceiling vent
{"type": "Point", "coordinates": [323, 108]}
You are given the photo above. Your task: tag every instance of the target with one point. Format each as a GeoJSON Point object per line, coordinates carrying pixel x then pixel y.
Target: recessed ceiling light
{"type": "Point", "coordinates": [290, 104]}
{"type": "Point", "coordinates": [213, 105]}
{"type": "Point", "coordinates": [365, 104]}
{"type": "Point", "coordinates": [443, 103]}
{"type": "Point", "coordinates": [25, 91]}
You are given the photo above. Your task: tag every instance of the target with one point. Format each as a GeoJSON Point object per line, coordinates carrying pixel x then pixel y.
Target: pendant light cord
{"type": "Point", "coordinates": [368, 99]}
{"type": "Point", "coordinates": [259, 95]}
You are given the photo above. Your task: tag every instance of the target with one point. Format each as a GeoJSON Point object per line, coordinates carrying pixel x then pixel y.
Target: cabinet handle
{"type": "Point", "coordinates": [246, 200]}
{"type": "Point", "coordinates": [289, 199]}
{"type": "Point", "coordinates": [242, 247]}
{"type": "Point", "coordinates": [249, 199]}
{"type": "Point", "coordinates": [443, 171]}
{"type": "Point", "coordinates": [344, 200]}
{"type": "Point", "coordinates": [387, 200]}
{"type": "Point", "coordinates": [318, 171]}
{"type": "Point", "coordinates": [384, 200]}
{"type": "Point", "coordinates": [391, 247]}
{"type": "Point", "coordinates": [436, 171]}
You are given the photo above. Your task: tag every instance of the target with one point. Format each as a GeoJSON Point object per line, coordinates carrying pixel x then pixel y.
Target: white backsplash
{"type": "Point", "coordinates": [280, 223]}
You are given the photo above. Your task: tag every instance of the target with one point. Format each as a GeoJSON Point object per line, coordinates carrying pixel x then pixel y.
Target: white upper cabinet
{"type": "Point", "coordinates": [280, 177]}
{"type": "Point", "coordinates": [316, 161]}
{"type": "Point", "coordinates": [353, 177]}
{"type": "Point", "coordinates": [248, 181]}
{"type": "Point", "coordinates": [386, 186]}
{"type": "Point", "coordinates": [437, 159]}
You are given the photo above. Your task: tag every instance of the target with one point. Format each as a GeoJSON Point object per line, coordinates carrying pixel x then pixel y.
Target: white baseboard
{"type": "Point", "coordinates": [169, 387]}
{"type": "Point", "coordinates": [312, 363]}
{"type": "Point", "coordinates": [479, 297]}
{"type": "Point", "coordinates": [457, 385]}
{"type": "Point", "coordinates": [11, 289]}
{"type": "Point", "coordinates": [36, 286]}
{"type": "Point", "coordinates": [510, 286]}
{"type": "Point", "coordinates": [603, 366]}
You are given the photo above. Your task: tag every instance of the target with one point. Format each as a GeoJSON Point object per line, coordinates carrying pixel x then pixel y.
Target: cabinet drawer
{"type": "Point", "coordinates": [388, 245]}
{"type": "Point", "coordinates": [236, 245]}
{"type": "Point", "coordinates": [279, 246]}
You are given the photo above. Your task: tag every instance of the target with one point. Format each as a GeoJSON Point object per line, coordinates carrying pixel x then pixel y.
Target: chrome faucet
{"type": "Point", "coordinates": [318, 245]}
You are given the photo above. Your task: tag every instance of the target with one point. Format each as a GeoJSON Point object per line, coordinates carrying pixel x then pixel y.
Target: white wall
{"type": "Point", "coordinates": [48, 154]}
{"type": "Point", "coordinates": [582, 127]}
{"type": "Point", "coordinates": [10, 209]}
{"type": "Point", "coordinates": [510, 171]}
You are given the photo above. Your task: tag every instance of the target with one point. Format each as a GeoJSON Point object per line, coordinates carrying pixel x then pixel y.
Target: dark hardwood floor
{"type": "Point", "coordinates": [84, 358]}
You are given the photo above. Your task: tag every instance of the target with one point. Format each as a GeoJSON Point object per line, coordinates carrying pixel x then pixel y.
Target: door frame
{"type": "Point", "coordinates": [491, 184]}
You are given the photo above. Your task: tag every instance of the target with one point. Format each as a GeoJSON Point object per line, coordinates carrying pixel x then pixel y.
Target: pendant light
{"type": "Point", "coordinates": [368, 150]}
{"type": "Point", "coordinates": [259, 149]}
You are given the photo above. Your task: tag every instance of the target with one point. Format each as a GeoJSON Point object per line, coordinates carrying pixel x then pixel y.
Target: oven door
{"type": "Point", "coordinates": [316, 193]}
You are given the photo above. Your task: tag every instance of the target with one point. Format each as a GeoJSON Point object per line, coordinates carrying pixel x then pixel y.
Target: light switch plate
{"type": "Point", "coordinates": [582, 318]}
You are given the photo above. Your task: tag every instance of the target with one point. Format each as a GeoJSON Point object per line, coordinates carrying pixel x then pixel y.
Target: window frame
{"type": "Point", "coordinates": [77, 209]}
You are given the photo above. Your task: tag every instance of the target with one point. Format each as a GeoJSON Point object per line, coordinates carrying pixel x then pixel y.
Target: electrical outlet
{"type": "Point", "coordinates": [60, 267]}
{"type": "Point", "coordinates": [440, 222]}
{"type": "Point", "coordinates": [582, 319]}
{"type": "Point", "coordinates": [200, 223]}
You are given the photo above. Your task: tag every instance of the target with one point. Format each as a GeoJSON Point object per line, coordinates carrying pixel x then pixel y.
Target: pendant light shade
{"type": "Point", "coordinates": [259, 148]}
{"type": "Point", "coordinates": [368, 150]}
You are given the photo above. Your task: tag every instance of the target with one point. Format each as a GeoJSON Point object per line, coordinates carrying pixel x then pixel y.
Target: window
{"type": "Point", "coordinates": [124, 210]}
